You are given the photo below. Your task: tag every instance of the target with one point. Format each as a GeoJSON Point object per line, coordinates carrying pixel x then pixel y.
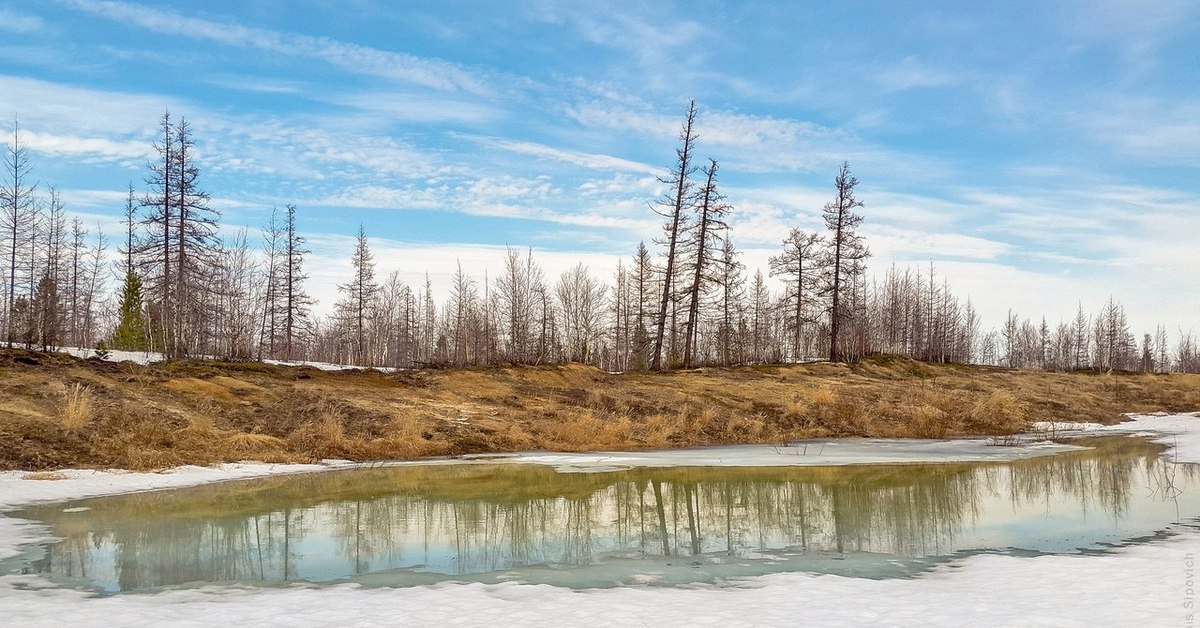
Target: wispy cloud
{"type": "Point", "coordinates": [585, 160]}
{"type": "Point", "coordinates": [89, 149]}
{"type": "Point", "coordinates": [254, 84]}
{"type": "Point", "coordinates": [655, 43]}
{"type": "Point", "coordinates": [19, 23]}
{"type": "Point", "coordinates": [1149, 129]}
{"type": "Point", "coordinates": [911, 73]}
{"type": "Point", "coordinates": [409, 107]}
{"type": "Point", "coordinates": [398, 66]}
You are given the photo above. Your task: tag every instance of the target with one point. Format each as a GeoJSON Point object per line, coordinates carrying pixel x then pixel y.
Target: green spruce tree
{"type": "Point", "coordinates": [130, 334]}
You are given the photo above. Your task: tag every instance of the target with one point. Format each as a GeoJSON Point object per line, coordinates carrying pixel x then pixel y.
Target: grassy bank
{"type": "Point", "coordinates": [57, 411]}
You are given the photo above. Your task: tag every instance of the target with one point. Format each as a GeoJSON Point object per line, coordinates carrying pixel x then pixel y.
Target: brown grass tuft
{"type": "Point", "coordinates": [201, 425]}
{"type": "Point", "coordinates": [250, 443]}
{"type": "Point", "coordinates": [998, 413]}
{"type": "Point", "coordinates": [330, 430]}
{"type": "Point", "coordinates": [77, 412]}
{"type": "Point", "coordinates": [822, 397]}
{"type": "Point", "coordinates": [203, 389]}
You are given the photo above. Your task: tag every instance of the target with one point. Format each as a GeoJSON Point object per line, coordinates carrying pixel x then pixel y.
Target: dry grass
{"type": "Point", "coordinates": [250, 443]}
{"type": "Point", "coordinates": [161, 416]}
{"type": "Point", "coordinates": [997, 413]}
{"type": "Point", "coordinates": [44, 476]}
{"type": "Point", "coordinates": [77, 410]}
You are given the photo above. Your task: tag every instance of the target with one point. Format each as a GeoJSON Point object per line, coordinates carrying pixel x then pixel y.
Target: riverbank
{"type": "Point", "coordinates": [57, 411]}
{"type": "Point", "coordinates": [1146, 583]}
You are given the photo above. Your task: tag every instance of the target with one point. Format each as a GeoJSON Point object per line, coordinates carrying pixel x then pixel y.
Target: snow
{"type": "Point", "coordinates": [822, 452]}
{"type": "Point", "coordinates": [149, 357]}
{"type": "Point", "coordinates": [1150, 584]}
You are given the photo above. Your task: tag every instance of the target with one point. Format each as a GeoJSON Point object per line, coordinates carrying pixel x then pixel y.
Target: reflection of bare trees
{"type": "Point", "coordinates": [475, 519]}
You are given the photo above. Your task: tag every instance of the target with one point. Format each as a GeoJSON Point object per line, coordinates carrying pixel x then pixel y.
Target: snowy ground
{"type": "Point", "coordinates": [1145, 585]}
{"type": "Point", "coordinates": [149, 357]}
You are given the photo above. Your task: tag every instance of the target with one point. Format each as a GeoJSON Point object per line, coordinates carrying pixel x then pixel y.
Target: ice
{"type": "Point", "coordinates": [1151, 584]}
{"type": "Point", "coordinates": [822, 452]}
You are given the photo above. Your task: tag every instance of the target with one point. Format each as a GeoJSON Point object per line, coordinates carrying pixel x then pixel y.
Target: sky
{"type": "Point", "coordinates": [1038, 155]}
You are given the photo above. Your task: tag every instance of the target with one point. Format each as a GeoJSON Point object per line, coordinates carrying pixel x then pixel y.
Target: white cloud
{"type": "Point", "coordinates": [1149, 129]}
{"type": "Point", "coordinates": [585, 160]}
{"type": "Point", "coordinates": [89, 149]}
{"type": "Point", "coordinates": [659, 44]}
{"type": "Point", "coordinates": [19, 23]}
{"type": "Point", "coordinates": [911, 245]}
{"type": "Point", "coordinates": [67, 109]}
{"type": "Point", "coordinates": [432, 73]}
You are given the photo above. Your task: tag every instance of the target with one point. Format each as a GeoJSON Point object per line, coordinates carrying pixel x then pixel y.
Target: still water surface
{"type": "Point", "coordinates": [492, 522]}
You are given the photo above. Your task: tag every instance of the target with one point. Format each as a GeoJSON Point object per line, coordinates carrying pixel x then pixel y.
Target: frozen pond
{"type": "Point", "coordinates": [493, 522]}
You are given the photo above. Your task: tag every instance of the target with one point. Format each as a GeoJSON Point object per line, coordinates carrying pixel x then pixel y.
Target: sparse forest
{"type": "Point", "coordinates": [179, 285]}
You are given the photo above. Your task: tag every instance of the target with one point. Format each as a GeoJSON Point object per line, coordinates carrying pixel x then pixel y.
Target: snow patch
{"type": "Point", "coordinates": [150, 357]}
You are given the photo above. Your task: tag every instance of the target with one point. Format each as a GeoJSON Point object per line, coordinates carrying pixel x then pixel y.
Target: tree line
{"type": "Point", "coordinates": [184, 290]}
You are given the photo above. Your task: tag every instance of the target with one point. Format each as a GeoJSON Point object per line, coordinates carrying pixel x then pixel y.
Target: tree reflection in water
{"type": "Point", "coordinates": [467, 519]}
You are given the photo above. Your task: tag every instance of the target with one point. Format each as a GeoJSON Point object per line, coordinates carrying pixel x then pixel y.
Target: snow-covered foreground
{"type": "Point", "coordinates": [1144, 585]}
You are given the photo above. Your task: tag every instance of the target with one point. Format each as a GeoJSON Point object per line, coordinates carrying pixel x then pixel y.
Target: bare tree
{"type": "Point", "coordinates": [673, 207]}
{"type": "Point", "coordinates": [157, 248]}
{"type": "Point", "coordinates": [295, 320]}
{"type": "Point", "coordinates": [516, 297]}
{"type": "Point", "coordinates": [16, 215]}
{"type": "Point", "coordinates": [847, 250]}
{"type": "Point", "coordinates": [239, 285]}
{"type": "Point", "coordinates": [462, 310]}
{"type": "Point", "coordinates": [581, 299]}
{"type": "Point", "coordinates": [356, 307]}
{"type": "Point", "coordinates": [197, 247]}
{"type": "Point", "coordinates": [704, 244]}
{"type": "Point", "coordinates": [799, 267]}
{"type": "Point", "coordinates": [733, 295]}
{"type": "Point", "coordinates": [760, 307]}
{"type": "Point", "coordinates": [642, 277]}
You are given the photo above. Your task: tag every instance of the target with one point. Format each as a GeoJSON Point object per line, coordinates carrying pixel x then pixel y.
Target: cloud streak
{"type": "Point", "coordinates": [397, 66]}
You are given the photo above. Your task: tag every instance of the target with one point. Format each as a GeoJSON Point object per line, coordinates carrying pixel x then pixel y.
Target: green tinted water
{"type": "Point", "coordinates": [493, 522]}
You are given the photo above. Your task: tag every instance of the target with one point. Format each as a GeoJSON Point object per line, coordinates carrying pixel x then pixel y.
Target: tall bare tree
{"type": "Point", "coordinates": [157, 248]}
{"type": "Point", "coordinates": [16, 215]}
{"type": "Point", "coordinates": [356, 307]}
{"type": "Point", "coordinates": [295, 320]}
{"type": "Point", "coordinates": [673, 207]}
{"type": "Point", "coordinates": [704, 245]}
{"type": "Point", "coordinates": [847, 252]}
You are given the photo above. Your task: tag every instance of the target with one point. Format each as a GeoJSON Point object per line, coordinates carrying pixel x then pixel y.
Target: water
{"type": "Point", "coordinates": [495, 522]}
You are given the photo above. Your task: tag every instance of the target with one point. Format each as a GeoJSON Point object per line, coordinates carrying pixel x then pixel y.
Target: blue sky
{"type": "Point", "coordinates": [1039, 154]}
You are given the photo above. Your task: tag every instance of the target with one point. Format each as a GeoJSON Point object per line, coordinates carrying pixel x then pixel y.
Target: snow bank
{"type": "Point", "coordinates": [1147, 585]}
{"type": "Point", "coordinates": [822, 452]}
{"type": "Point", "coordinates": [149, 357]}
